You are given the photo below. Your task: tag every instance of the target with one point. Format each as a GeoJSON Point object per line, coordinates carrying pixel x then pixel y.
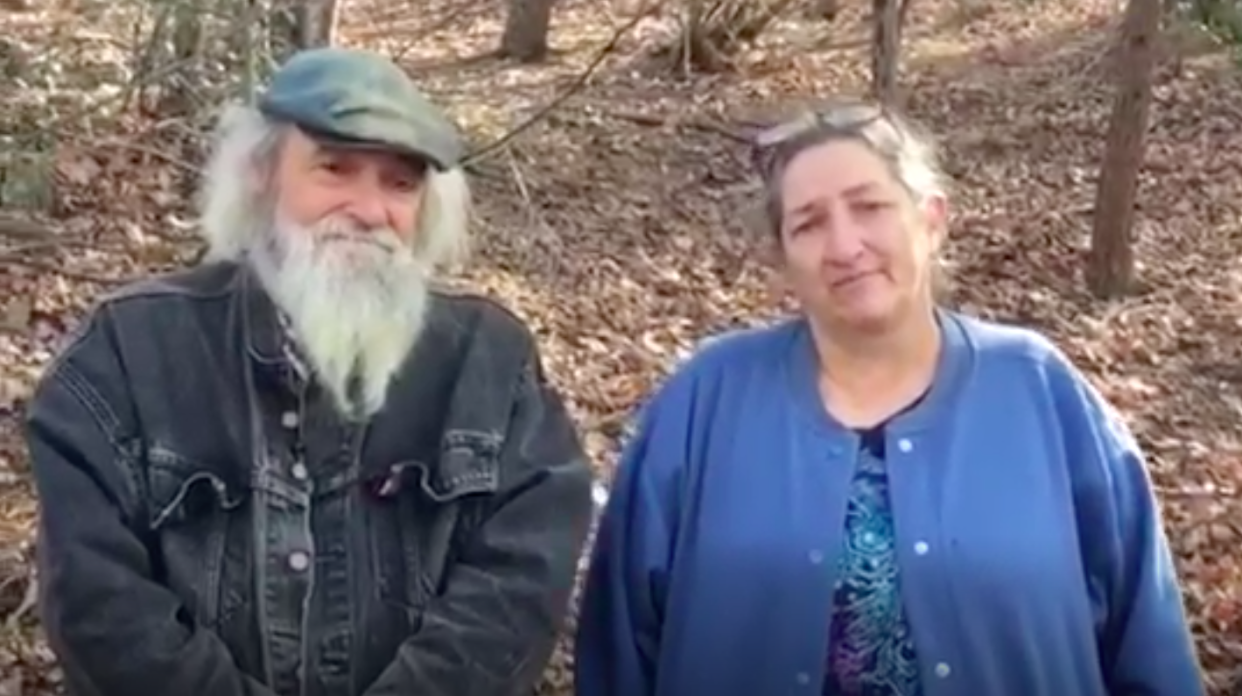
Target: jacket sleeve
{"type": "Point", "coordinates": [114, 629]}
{"type": "Point", "coordinates": [620, 620]}
{"type": "Point", "coordinates": [493, 629]}
{"type": "Point", "coordinates": [1145, 644]}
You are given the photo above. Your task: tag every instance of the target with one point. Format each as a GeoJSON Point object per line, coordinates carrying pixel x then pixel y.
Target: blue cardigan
{"type": "Point", "coordinates": [1033, 561]}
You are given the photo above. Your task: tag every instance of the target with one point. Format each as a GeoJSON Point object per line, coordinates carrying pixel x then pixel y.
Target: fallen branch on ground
{"type": "Point", "coordinates": [59, 269]}
{"type": "Point", "coordinates": [29, 602]}
{"type": "Point", "coordinates": [19, 228]}
{"type": "Point", "coordinates": [693, 123]}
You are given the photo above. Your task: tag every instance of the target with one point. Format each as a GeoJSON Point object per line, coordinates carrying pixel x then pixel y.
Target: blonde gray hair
{"type": "Point", "coordinates": [905, 147]}
{"type": "Point", "coordinates": [232, 208]}
{"type": "Point", "coordinates": [908, 151]}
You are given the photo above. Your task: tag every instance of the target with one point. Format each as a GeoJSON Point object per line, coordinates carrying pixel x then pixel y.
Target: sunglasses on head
{"type": "Point", "coordinates": [846, 119]}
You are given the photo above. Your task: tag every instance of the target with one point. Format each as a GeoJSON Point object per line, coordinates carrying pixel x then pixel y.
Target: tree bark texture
{"type": "Point", "coordinates": [1110, 265]}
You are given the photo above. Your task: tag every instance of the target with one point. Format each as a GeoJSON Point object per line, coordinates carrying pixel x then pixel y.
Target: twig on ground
{"type": "Point", "coordinates": [535, 218]}
{"type": "Point", "coordinates": [22, 251]}
{"type": "Point", "coordinates": [149, 151]}
{"type": "Point", "coordinates": [30, 600]}
{"type": "Point", "coordinates": [694, 123]}
{"type": "Point", "coordinates": [423, 33]}
{"type": "Point", "coordinates": [58, 269]}
{"type": "Point", "coordinates": [36, 237]}
{"type": "Point", "coordinates": [519, 181]}
{"type": "Point", "coordinates": [569, 92]}
{"type": "Point", "coordinates": [19, 228]}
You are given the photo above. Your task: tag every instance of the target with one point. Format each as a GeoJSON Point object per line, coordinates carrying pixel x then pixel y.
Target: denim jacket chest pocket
{"type": "Point", "coordinates": [424, 513]}
{"type": "Point", "coordinates": [200, 535]}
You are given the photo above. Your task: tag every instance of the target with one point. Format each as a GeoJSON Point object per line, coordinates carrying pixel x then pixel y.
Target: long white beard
{"type": "Point", "coordinates": [357, 300]}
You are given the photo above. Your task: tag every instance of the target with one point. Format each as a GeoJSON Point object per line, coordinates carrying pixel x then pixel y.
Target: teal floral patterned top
{"type": "Point", "coordinates": [871, 651]}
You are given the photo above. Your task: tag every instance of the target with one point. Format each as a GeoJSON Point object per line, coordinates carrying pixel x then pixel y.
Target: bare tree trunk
{"type": "Point", "coordinates": [525, 36]}
{"type": "Point", "coordinates": [316, 20]}
{"type": "Point", "coordinates": [282, 30]}
{"type": "Point", "coordinates": [187, 46]}
{"type": "Point", "coordinates": [254, 37]}
{"type": "Point", "coordinates": [294, 25]}
{"type": "Point", "coordinates": [186, 82]}
{"type": "Point", "coordinates": [714, 30]}
{"type": "Point", "coordinates": [1110, 266]}
{"type": "Point", "coordinates": [695, 49]}
{"type": "Point", "coordinates": [144, 91]}
{"type": "Point", "coordinates": [885, 49]}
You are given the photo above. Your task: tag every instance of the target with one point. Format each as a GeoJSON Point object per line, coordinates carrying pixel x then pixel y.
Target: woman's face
{"type": "Point", "coordinates": [857, 247]}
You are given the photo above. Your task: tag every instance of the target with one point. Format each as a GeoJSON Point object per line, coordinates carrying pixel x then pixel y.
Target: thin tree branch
{"type": "Point", "coordinates": [564, 96]}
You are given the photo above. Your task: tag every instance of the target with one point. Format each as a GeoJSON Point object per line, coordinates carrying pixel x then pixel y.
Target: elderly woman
{"type": "Point", "coordinates": [879, 497]}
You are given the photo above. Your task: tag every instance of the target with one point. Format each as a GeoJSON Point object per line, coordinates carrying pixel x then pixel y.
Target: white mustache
{"type": "Point", "coordinates": [337, 231]}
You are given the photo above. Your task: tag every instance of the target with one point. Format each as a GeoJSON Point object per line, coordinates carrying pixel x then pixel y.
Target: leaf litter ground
{"type": "Point", "coordinates": [614, 225]}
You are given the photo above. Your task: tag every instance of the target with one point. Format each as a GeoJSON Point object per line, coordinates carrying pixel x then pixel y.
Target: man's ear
{"type": "Point", "coordinates": [258, 177]}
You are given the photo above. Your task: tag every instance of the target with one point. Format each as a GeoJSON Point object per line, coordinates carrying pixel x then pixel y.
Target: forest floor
{"type": "Point", "coordinates": [613, 225]}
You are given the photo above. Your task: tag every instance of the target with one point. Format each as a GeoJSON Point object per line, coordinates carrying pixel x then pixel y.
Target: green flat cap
{"type": "Point", "coordinates": [361, 99]}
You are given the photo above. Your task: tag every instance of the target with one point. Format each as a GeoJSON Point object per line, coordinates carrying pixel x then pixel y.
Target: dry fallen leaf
{"type": "Point", "coordinates": [16, 314]}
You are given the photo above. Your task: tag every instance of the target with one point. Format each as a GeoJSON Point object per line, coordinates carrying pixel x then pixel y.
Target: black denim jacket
{"type": "Point", "coordinates": [210, 526]}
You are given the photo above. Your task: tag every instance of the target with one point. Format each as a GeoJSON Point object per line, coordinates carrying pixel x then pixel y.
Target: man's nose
{"type": "Point", "coordinates": [368, 203]}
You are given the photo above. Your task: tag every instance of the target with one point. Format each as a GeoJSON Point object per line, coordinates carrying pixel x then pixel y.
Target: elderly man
{"type": "Point", "coordinates": [297, 469]}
